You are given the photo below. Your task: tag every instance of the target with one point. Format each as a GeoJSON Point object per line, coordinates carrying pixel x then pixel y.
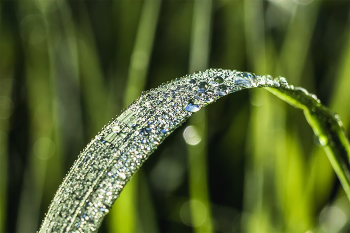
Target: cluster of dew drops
{"type": "Point", "coordinates": [222, 82]}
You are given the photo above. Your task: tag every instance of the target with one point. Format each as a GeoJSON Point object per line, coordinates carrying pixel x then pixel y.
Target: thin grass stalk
{"type": "Point", "coordinates": [259, 168]}
{"type": "Point", "coordinates": [94, 94]}
{"type": "Point", "coordinates": [197, 154]}
{"type": "Point", "coordinates": [124, 217]}
{"type": "Point", "coordinates": [39, 74]}
{"type": "Point", "coordinates": [292, 63]}
{"type": "Point", "coordinates": [5, 93]}
{"type": "Point", "coordinates": [6, 84]}
{"type": "Point", "coordinates": [3, 166]}
{"type": "Point", "coordinates": [341, 95]}
{"type": "Point", "coordinates": [295, 47]}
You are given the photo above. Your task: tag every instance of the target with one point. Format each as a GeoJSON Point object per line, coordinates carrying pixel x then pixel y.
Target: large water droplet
{"type": "Point", "coordinates": [191, 107]}
{"type": "Point", "coordinates": [302, 90]}
{"type": "Point", "coordinates": [192, 81]}
{"type": "Point", "coordinates": [221, 90]}
{"type": "Point", "coordinates": [242, 82]}
{"type": "Point", "coordinates": [218, 79]}
{"type": "Point", "coordinates": [282, 81]}
{"type": "Point", "coordinates": [323, 140]}
{"type": "Point", "coordinates": [250, 76]}
{"type": "Point", "coordinates": [203, 86]}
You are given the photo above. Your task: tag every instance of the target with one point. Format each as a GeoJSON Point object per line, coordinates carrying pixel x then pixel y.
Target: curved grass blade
{"type": "Point", "coordinates": [118, 151]}
{"type": "Point", "coordinates": [326, 125]}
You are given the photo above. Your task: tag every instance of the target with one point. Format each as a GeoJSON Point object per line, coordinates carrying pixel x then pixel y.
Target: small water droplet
{"type": "Point", "coordinates": [164, 131]}
{"type": "Point", "coordinates": [192, 107]}
{"type": "Point", "coordinates": [218, 79]}
{"type": "Point", "coordinates": [203, 86]}
{"type": "Point", "coordinates": [122, 175]}
{"type": "Point", "coordinates": [315, 98]}
{"type": "Point", "coordinates": [242, 82]}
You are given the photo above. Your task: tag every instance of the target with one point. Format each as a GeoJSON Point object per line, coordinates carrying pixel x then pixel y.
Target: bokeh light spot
{"type": "Point", "coordinates": [33, 29]}
{"type": "Point", "coordinates": [193, 206]}
{"type": "Point", "coordinates": [6, 107]}
{"type": "Point", "coordinates": [139, 60]}
{"type": "Point", "coordinates": [332, 219]}
{"type": "Point", "coordinates": [191, 135]}
{"type": "Point", "coordinates": [44, 148]}
{"type": "Point", "coordinates": [303, 2]}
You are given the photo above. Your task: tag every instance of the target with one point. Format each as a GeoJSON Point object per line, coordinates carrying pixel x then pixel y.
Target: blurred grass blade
{"type": "Point", "coordinates": [6, 107]}
{"type": "Point", "coordinates": [44, 134]}
{"type": "Point", "coordinates": [141, 55]}
{"type": "Point", "coordinates": [341, 97]}
{"type": "Point", "coordinates": [297, 41]}
{"type": "Point", "coordinates": [200, 210]}
{"type": "Point", "coordinates": [124, 217]}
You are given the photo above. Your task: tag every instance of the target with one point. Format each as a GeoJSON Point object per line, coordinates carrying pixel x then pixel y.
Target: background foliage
{"type": "Point", "coordinates": [249, 163]}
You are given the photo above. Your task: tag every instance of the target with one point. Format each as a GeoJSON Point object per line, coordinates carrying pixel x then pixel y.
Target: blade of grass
{"type": "Point", "coordinates": [115, 146]}
{"type": "Point", "coordinates": [322, 176]}
{"type": "Point", "coordinates": [327, 127]}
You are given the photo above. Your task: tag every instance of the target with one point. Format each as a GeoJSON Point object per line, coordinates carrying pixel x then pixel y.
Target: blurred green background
{"type": "Point", "coordinates": [248, 163]}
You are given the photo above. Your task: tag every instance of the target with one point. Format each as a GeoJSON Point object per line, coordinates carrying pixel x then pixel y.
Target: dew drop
{"type": "Point", "coordinates": [164, 131]}
{"type": "Point", "coordinates": [323, 140]}
{"type": "Point", "coordinates": [242, 82]}
{"type": "Point", "coordinates": [221, 90]}
{"type": "Point", "coordinates": [192, 81]}
{"type": "Point", "coordinates": [192, 107]}
{"type": "Point", "coordinates": [250, 76]}
{"type": "Point", "coordinates": [302, 90]}
{"type": "Point", "coordinates": [203, 86]}
{"type": "Point", "coordinates": [122, 175]}
{"type": "Point", "coordinates": [218, 79]}
{"type": "Point", "coordinates": [315, 98]}
{"type": "Point", "coordinates": [282, 81]}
